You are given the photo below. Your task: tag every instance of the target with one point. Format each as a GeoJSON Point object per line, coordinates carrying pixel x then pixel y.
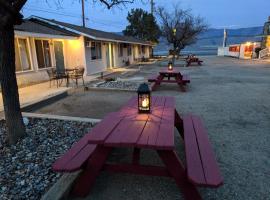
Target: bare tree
{"type": "Point", "coordinates": [180, 28]}
{"type": "Point", "coordinates": [10, 16]}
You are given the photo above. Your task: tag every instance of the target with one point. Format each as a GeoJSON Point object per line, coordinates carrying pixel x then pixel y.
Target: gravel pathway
{"type": "Point", "coordinates": [25, 168]}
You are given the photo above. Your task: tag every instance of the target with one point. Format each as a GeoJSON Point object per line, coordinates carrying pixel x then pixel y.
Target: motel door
{"type": "Point", "coordinates": [59, 56]}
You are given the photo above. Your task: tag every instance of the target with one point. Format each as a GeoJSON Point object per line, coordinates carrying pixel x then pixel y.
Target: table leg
{"type": "Point", "coordinates": [87, 178]}
{"type": "Point", "coordinates": [67, 81]}
{"type": "Point", "coordinates": [178, 78]}
{"type": "Point", "coordinates": [177, 171]}
{"type": "Point", "coordinates": [178, 123]}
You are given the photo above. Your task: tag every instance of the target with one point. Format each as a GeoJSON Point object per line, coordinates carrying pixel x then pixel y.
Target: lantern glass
{"type": "Point", "coordinates": [170, 66]}
{"type": "Point", "coordinates": [144, 98]}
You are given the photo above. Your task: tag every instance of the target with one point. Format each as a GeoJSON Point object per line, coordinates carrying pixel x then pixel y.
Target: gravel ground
{"type": "Point", "coordinates": [125, 85]}
{"type": "Point", "coordinates": [232, 97]}
{"type": "Point", "coordinates": [25, 168]}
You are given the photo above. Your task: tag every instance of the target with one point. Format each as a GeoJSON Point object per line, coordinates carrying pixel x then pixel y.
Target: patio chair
{"type": "Point", "coordinates": [77, 74]}
{"type": "Point", "coordinates": [61, 74]}
{"type": "Point", "coordinates": [52, 76]}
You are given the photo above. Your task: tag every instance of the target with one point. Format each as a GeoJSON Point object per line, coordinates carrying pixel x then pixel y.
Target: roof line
{"type": "Point", "coordinates": [64, 27]}
{"type": "Point", "coordinates": [84, 34]}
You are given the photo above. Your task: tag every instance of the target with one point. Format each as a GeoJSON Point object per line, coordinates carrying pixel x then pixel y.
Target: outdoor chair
{"type": "Point", "coordinates": [56, 75]}
{"type": "Point", "coordinates": [52, 76]}
{"type": "Point", "coordinates": [61, 74]}
{"type": "Point", "coordinates": [76, 74]}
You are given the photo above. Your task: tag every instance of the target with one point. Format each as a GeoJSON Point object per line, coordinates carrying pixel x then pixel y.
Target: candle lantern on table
{"type": "Point", "coordinates": [144, 98]}
{"type": "Point", "coordinates": [170, 66]}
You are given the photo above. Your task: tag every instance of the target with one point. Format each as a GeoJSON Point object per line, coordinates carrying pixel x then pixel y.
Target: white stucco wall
{"type": "Point", "coordinates": [74, 53]}
{"type": "Point", "coordinates": [98, 65]}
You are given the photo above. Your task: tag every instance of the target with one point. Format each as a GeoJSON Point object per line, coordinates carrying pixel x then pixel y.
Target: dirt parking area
{"type": "Point", "coordinates": [232, 97]}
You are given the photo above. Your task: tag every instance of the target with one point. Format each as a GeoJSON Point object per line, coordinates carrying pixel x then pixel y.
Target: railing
{"type": "Point", "coordinates": [265, 52]}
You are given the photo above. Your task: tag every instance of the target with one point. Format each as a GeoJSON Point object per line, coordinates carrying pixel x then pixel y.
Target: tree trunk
{"type": "Point", "coordinates": [10, 95]}
{"type": "Point", "coordinates": [174, 54]}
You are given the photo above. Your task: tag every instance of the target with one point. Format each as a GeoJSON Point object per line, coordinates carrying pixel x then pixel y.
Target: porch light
{"type": "Point", "coordinates": [144, 98]}
{"type": "Point", "coordinates": [170, 66]}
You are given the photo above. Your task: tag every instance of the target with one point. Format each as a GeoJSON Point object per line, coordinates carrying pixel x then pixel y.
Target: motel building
{"type": "Point", "coordinates": [42, 44]}
{"type": "Point", "coordinates": [248, 50]}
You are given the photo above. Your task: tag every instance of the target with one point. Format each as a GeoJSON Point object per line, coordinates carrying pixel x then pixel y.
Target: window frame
{"type": "Point", "coordinates": [50, 53]}
{"type": "Point", "coordinates": [98, 55]}
{"type": "Point", "coordinates": [16, 41]}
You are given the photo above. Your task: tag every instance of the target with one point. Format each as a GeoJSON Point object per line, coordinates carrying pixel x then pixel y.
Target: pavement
{"type": "Point", "coordinates": [231, 96]}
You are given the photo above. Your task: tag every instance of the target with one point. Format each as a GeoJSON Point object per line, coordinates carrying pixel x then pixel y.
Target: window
{"type": "Point", "coordinates": [234, 48]}
{"type": "Point", "coordinates": [140, 49]}
{"type": "Point", "coordinates": [120, 50]}
{"type": "Point", "coordinates": [129, 50]}
{"type": "Point", "coordinates": [43, 53]}
{"type": "Point", "coordinates": [95, 50]}
{"type": "Point", "coordinates": [22, 56]}
{"type": "Point", "coordinates": [143, 49]}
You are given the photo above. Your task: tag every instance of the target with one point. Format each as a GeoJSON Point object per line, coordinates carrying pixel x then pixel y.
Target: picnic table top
{"type": "Point", "coordinates": [128, 128]}
{"type": "Point", "coordinates": [166, 71]}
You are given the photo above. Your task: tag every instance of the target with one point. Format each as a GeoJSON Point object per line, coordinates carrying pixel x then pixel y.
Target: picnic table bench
{"type": "Point", "coordinates": [191, 60]}
{"type": "Point", "coordinates": [145, 131]}
{"type": "Point", "coordinates": [180, 79]}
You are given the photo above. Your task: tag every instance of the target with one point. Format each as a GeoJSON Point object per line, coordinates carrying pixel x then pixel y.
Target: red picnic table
{"type": "Point", "coordinates": [191, 60]}
{"type": "Point", "coordinates": [155, 131]}
{"type": "Point", "coordinates": [165, 76]}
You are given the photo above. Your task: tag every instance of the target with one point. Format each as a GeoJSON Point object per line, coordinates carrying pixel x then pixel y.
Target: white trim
{"type": "Point", "coordinates": [42, 35]}
{"type": "Point", "coordinates": [27, 71]}
{"type": "Point", "coordinates": [28, 49]}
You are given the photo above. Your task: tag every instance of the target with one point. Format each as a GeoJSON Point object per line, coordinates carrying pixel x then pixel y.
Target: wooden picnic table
{"type": "Point", "coordinates": [191, 60]}
{"type": "Point", "coordinates": [128, 129]}
{"type": "Point", "coordinates": [165, 76]}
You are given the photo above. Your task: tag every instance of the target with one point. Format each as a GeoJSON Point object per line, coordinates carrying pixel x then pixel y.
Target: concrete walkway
{"type": "Point", "coordinates": [38, 92]}
{"type": "Point", "coordinates": [35, 93]}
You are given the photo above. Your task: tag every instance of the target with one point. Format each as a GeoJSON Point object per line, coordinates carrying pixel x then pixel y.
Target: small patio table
{"type": "Point", "coordinates": [128, 129]}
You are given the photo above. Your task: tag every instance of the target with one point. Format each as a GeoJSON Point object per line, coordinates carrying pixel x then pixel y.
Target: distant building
{"type": "Point", "coordinates": [243, 51]}
{"type": "Point", "coordinates": [266, 34]}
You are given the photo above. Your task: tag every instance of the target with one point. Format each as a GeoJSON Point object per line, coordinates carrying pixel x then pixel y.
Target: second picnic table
{"type": "Point", "coordinates": [129, 129]}
{"type": "Point", "coordinates": [165, 76]}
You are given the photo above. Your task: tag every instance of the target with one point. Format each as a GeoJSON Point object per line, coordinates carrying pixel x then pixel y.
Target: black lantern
{"type": "Point", "coordinates": [170, 66]}
{"type": "Point", "coordinates": [144, 98]}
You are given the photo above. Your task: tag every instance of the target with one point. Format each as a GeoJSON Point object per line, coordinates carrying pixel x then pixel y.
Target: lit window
{"type": "Point", "coordinates": [22, 56]}
{"type": "Point", "coordinates": [96, 50]}
{"type": "Point", "coordinates": [43, 53]}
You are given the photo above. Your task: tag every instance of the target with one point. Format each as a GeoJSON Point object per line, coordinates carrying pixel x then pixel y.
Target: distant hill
{"type": "Point", "coordinates": [209, 41]}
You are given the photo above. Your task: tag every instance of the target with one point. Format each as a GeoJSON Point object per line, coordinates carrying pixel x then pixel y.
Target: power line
{"type": "Point", "coordinates": [77, 17]}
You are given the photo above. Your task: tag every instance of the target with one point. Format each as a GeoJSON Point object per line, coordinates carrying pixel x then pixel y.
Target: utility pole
{"type": "Point", "coordinates": [83, 15]}
{"type": "Point", "coordinates": [225, 35]}
{"type": "Point", "coordinates": [152, 7]}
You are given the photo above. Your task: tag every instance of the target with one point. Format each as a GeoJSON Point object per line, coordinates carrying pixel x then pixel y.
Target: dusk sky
{"type": "Point", "coordinates": [217, 13]}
